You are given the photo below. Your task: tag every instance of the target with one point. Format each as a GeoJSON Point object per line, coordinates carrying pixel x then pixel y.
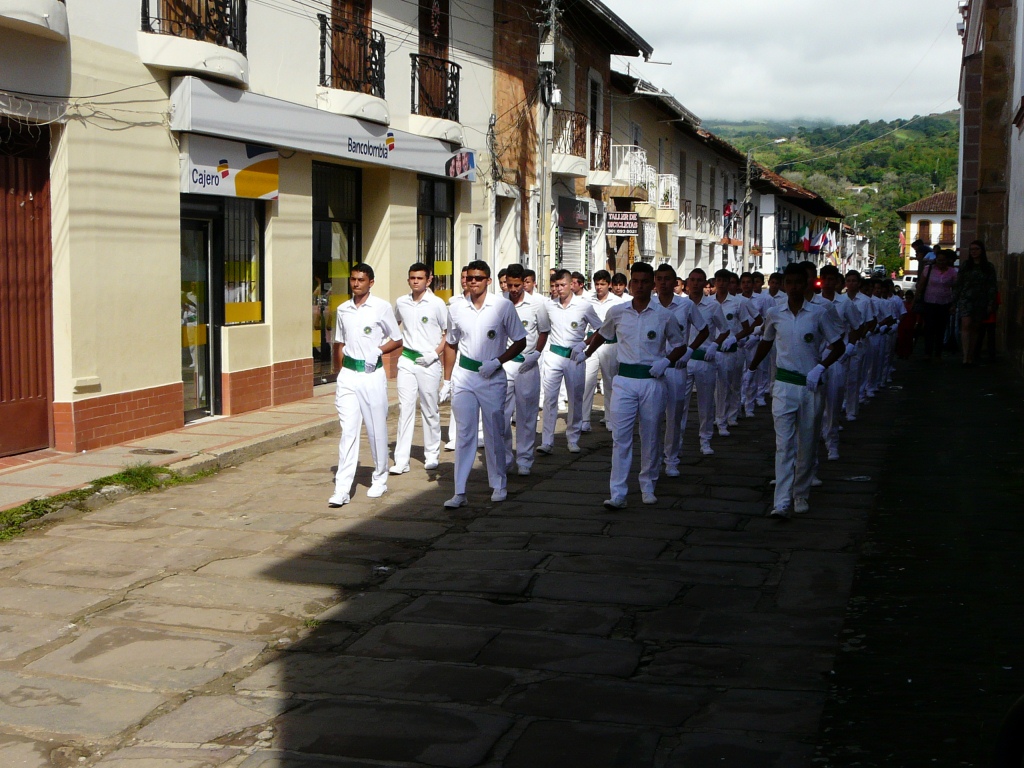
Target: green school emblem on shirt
{"type": "Point", "coordinates": [367, 329]}
{"type": "Point", "coordinates": [424, 320]}
{"type": "Point", "coordinates": [573, 324]}
{"type": "Point", "coordinates": [491, 334]}
{"type": "Point", "coordinates": [651, 335]}
{"type": "Point", "coordinates": [729, 316]}
{"type": "Point", "coordinates": [808, 337]}
{"type": "Point", "coordinates": [524, 323]}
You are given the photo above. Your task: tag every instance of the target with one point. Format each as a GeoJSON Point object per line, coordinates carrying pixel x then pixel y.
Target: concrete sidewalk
{"type": "Point", "coordinates": [207, 444]}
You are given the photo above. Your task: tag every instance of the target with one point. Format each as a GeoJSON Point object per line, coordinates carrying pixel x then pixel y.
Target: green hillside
{"type": "Point", "coordinates": [905, 159]}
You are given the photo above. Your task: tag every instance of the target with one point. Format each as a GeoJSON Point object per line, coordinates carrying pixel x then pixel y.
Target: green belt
{"type": "Point", "coordinates": [631, 371]}
{"type": "Point", "coordinates": [469, 364]}
{"type": "Point", "coordinates": [612, 340]}
{"type": "Point", "coordinates": [354, 364]}
{"type": "Point", "coordinates": [518, 359]}
{"type": "Point", "coordinates": [698, 354]}
{"type": "Point", "coordinates": [729, 351]}
{"type": "Point", "coordinates": [561, 351]}
{"type": "Point", "coordinates": [790, 377]}
{"type": "Point", "coordinates": [412, 354]}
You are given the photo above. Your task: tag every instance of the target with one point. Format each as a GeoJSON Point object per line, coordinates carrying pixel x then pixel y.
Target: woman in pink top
{"type": "Point", "coordinates": [935, 287]}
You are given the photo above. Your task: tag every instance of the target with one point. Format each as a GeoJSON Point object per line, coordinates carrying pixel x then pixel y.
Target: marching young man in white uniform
{"type": "Point", "coordinates": [365, 330]}
{"type": "Point", "coordinates": [694, 328]}
{"type": "Point", "coordinates": [756, 311]}
{"type": "Point", "coordinates": [569, 316]}
{"type": "Point", "coordinates": [643, 329]}
{"type": "Point", "coordinates": [424, 319]}
{"type": "Point", "coordinates": [523, 373]}
{"type": "Point", "coordinates": [700, 369]}
{"type": "Point", "coordinates": [798, 329]}
{"type": "Point", "coordinates": [730, 365]}
{"type": "Point", "coordinates": [855, 362]}
{"type": "Point", "coordinates": [480, 329]}
{"type": "Point", "coordinates": [835, 377]}
{"type": "Point", "coordinates": [604, 361]}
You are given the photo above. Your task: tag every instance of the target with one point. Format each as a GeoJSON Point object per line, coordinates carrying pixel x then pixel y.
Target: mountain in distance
{"type": "Point", "coordinates": [905, 159]}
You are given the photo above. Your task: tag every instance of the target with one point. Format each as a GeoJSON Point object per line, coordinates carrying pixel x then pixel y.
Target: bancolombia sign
{"type": "Point", "coordinates": [228, 168]}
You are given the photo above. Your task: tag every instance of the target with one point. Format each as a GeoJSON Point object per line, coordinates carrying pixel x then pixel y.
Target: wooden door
{"type": "Point", "coordinates": [434, 26]}
{"type": "Point", "coordinates": [349, 44]}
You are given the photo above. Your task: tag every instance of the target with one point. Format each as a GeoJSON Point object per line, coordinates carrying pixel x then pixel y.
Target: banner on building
{"type": "Point", "coordinates": [228, 168]}
{"type": "Point", "coordinates": [622, 223]}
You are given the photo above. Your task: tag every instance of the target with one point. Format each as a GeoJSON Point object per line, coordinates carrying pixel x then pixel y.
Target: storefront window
{"type": "Point", "coordinates": [435, 224]}
{"type": "Point", "coordinates": [336, 248]}
{"type": "Point", "coordinates": [243, 282]}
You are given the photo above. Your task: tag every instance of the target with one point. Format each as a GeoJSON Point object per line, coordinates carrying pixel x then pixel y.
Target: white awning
{"type": "Point", "coordinates": [199, 106]}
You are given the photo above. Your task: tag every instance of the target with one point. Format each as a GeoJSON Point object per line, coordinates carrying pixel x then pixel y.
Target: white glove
{"type": "Point", "coordinates": [446, 392]}
{"type": "Point", "coordinates": [427, 359]}
{"type": "Point", "coordinates": [529, 360]}
{"type": "Point", "coordinates": [490, 368]}
{"type": "Point", "coordinates": [850, 349]}
{"type": "Point", "coordinates": [756, 334]}
{"type": "Point", "coordinates": [659, 367]}
{"type": "Point", "coordinates": [814, 377]}
{"type": "Point", "coordinates": [579, 353]}
{"type": "Point", "coordinates": [685, 358]}
{"type": "Point", "coordinates": [886, 329]}
{"type": "Point", "coordinates": [369, 367]}
{"type": "Point", "coordinates": [729, 343]}
{"type": "Point", "coordinates": [742, 343]}
{"type": "Point", "coordinates": [710, 353]}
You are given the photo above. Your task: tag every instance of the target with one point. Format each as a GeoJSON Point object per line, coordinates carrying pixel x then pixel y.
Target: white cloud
{"type": "Point", "coordinates": [844, 60]}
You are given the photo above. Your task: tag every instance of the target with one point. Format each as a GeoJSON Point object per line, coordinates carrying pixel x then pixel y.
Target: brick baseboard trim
{"type": "Point", "coordinates": [100, 421]}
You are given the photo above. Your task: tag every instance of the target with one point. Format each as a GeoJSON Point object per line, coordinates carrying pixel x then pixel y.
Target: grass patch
{"type": "Point", "coordinates": [137, 478]}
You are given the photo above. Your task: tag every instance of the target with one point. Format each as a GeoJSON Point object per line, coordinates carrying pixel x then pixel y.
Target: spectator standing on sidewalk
{"type": "Point", "coordinates": [935, 299]}
{"type": "Point", "coordinates": [975, 295]}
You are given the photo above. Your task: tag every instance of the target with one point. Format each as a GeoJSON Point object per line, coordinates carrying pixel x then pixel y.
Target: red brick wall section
{"type": "Point", "coordinates": [292, 380]}
{"type": "Point", "coordinates": [109, 419]}
{"type": "Point", "coordinates": [245, 390]}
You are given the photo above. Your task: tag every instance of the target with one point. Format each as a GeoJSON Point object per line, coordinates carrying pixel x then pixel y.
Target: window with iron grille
{"type": "Point", "coordinates": [243, 257]}
{"type": "Point", "coordinates": [435, 225]}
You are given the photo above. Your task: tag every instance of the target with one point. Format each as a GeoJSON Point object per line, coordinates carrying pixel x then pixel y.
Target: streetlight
{"type": "Point", "coordinates": [746, 200]}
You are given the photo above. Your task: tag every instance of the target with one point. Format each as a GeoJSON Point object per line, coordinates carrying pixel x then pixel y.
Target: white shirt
{"type": "Point", "coordinates": [365, 328]}
{"type": "Point", "coordinates": [534, 316]}
{"type": "Point", "coordinates": [691, 321]}
{"type": "Point", "coordinates": [423, 322]}
{"type": "Point", "coordinates": [569, 324]}
{"type": "Point", "coordinates": [849, 318]}
{"type": "Point", "coordinates": [713, 315]}
{"type": "Point", "coordinates": [483, 334]}
{"type": "Point", "coordinates": [602, 307]}
{"type": "Point", "coordinates": [799, 338]}
{"type": "Point", "coordinates": [861, 308]}
{"type": "Point", "coordinates": [642, 336]}
{"type": "Point", "coordinates": [735, 312]}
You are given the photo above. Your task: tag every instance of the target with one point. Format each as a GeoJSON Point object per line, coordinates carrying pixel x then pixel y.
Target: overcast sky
{"type": "Point", "coordinates": [844, 60]}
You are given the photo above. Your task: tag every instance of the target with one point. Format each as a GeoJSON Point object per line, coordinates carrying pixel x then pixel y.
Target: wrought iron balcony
{"type": "Point", "coordinates": [600, 151]}
{"type": "Point", "coordinates": [629, 165]}
{"type": "Point", "coordinates": [569, 132]}
{"type": "Point", "coordinates": [356, 57]}
{"type": "Point", "coordinates": [686, 214]}
{"type": "Point", "coordinates": [702, 218]}
{"type": "Point", "coordinates": [716, 222]}
{"type": "Point", "coordinates": [221, 22]}
{"type": "Point", "coordinates": [668, 191]}
{"type": "Point", "coordinates": [435, 87]}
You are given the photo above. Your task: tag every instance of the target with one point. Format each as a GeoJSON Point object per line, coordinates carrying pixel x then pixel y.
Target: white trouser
{"type": "Point", "coordinates": [766, 374]}
{"type": "Point", "coordinates": [556, 370]}
{"type": "Point", "coordinates": [606, 362]}
{"type": "Point", "coordinates": [417, 384]}
{"type": "Point", "coordinates": [870, 369]}
{"type": "Point", "coordinates": [361, 399]}
{"type": "Point", "coordinates": [643, 400]}
{"type": "Point", "coordinates": [675, 415]}
{"type": "Point", "coordinates": [521, 401]}
{"type": "Point", "coordinates": [854, 376]}
{"type": "Point", "coordinates": [795, 409]}
{"type": "Point", "coordinates": [833, 383]}
{"type": "Point", "coordinates": [727, 386]}
{"type": "Point", "coordinates": [475, 397]}
{"type": "Point", "coordinates": [700, 375]}
{"type": "Point", "coordinates": [748, 383]}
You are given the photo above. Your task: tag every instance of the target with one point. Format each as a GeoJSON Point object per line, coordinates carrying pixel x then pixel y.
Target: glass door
{"type": "Point", "coordinates": [196, 358]}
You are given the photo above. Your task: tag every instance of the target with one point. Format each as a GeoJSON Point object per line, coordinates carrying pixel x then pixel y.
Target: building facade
{"type": "Point", "coordinates": [932, 220]}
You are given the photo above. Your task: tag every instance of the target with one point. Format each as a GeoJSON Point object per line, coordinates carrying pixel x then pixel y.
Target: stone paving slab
{"type": "Point", "coordinates": [217, 620]}
{"type": "Point", "coordinates": [286, 569]}
{"type": "Point", "coordinates": [562, 653]}
{"type": "Point", "coordinates": [599, 588]}
{"type": "Point", "coordinates": [557, 744]}
{"type": "Point", "coordinates": [203, 719]}
{"type": "Point", "coordinates": [164, 757]}
{"type": "Point", "coordinates": [552, 617]}
{"type": "Point", "coordinates": [157, 659]}
{"type": "Point", "coordinates": [18, 752]}
{"type": "Point", "coordinates": [20, 634]}
{"type": "Point", "coordinates": [35, 704]}
{"type": "Point", "coordinates": [434, 642]}
{"type": "Point", "coordinates": [297, 600]}
{"type": "Point", "coordinates": [46, 601]}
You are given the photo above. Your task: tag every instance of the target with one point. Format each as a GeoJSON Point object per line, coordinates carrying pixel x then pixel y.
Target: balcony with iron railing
{"type": "Point", "coordinates": [569, 143]}
{"type": "Point", "coordinates": [206, 37]}
{"type": "Point", "coordinates": [600, 151]}
{"type": "Point", "coordinates": [702, 219]}
{"type": "Point", "coordinates": [435, 87]}
{"type": "Point", "coordinates": [352, 70]}
{"type": "Point", "coordinates": [686, 215]}
{"type": "Point", "coordinates": [40, 18]}
{"type": "Point", "coordinates": [668, 191]}
{"type": "Point", "coordinates": [716, 222]}
{"type": "Point", "coordinates": [651, 183]}
{"type": "Point", "coordinates": [629, 165]}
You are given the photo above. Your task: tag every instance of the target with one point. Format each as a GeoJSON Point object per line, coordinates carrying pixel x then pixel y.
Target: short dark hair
{"type": "Point", "coordinates": [775, 276]}
{"type": "Point", "coordinates": [795, 269]}
{"type": "Point", "coordinates": [701, 271]}
{"type": "Point", "coordinates": [502, 272]}
{"type": "Point", "coordinates": [602, 274]}
{"type": "Point", "coordinates": [465, 269]}
{"type": "Point", "coordinates": [666, 268]}
{"type": "Point", "coordinates": [578, 276]}
{"type": "Point", "coordinates": [530, 273]}
{"type": "Point", "coordinates": [723, 274]}
{"type": "Point", "coordinates": [366, 269]}
{"type": "Point", "coordinates": [758, 276]}
{"type": "Point", "coordinates": [810, 267]}
{"type": "Point", "coordinates": [641, 267]}
{"type": "Point", "coordinates": [619, 279]}
{"type": "Point", "coordinates": [855, 273]}
{"type": "Point", "coordinates": [560, 274]}
{"type": "Point", "coordinates": [747, 274]}
{"type": "Point", "coordinates": [479, 266]}
{"type": "Point", "coordinates": [829, 270]}
{"type": "Point", "coordinates": [419, 266]}
{"type": "Point", "coordinates": [515, 271]}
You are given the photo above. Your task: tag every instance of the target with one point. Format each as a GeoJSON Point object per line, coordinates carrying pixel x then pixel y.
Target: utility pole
{"type": "Point", "coordinates": [747, 195]}
{"type": "Point", "coordinates": [546, 81]}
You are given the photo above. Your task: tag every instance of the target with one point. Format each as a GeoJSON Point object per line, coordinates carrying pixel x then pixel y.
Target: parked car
{"type": "Point", "coordinates": [907, 283]}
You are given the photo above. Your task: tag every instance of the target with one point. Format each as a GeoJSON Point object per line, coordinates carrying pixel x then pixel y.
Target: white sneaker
{"type": "Point", "coordinates": [479, 442]}
{"type": "Point", "coordinates": [499, 494]}
{"type": "Point", "coordinates": [650, 498]}
{"type": "Point", "coordinates": [397, 470]}
{"type": "Point", "coordinates": [833, 454]}
{"type": "Point", "coordinates": [585, 426]}
{"type": "Point", "coordinates": [723, 432]}
{"type": "Point", "coordinates": [430, 465]}
{"type": "Point", "coordinates": [546, 450]}
{"type": "Point", "coordinates": [815, 482]}
{"type": "Point", "coordinates": [456, 501]}
{"type": "Point", "coordinates": [338, 501]}
{"type": "Point", "coordinates": [524, 471]}
{"type": "Point", "coordinates": [761, 402]}
{"type": "Point", "coordinates": [749, 413]}
{"type": "Point", "coordinates": [706, 449]}
{"type": "Point", "coordinates": [800, 505]}
{"type": "Point", "coordinates": [780, 512]}
{"type": "Point", "coordinates": [450, 445]}
{"type": "Point", "coordinates": [376, 491]}
{"type": "Point", "coordinates": [733, 423]}
{"type": "Point", "coordinates": [614, 503]}
{"type": "Point", "coordinates": [574, 447]}
{"type": "Point", "coordinates": [671, 471]}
